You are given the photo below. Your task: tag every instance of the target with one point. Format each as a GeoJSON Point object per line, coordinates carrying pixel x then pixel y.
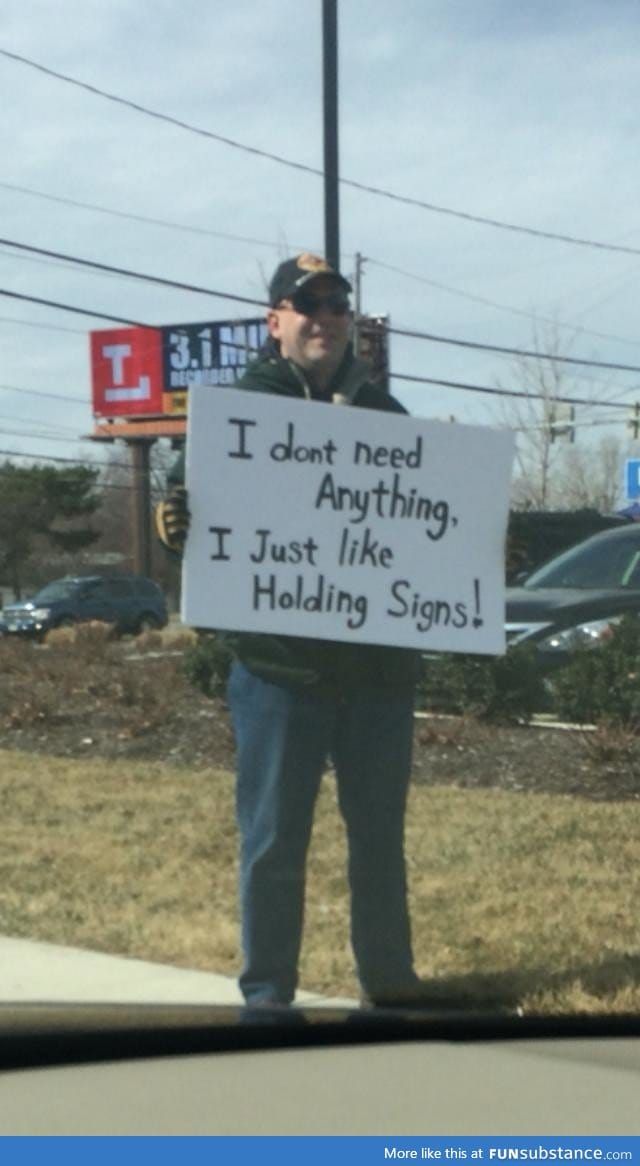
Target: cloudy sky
{"type": "Point", "coordinates": [526, 116]}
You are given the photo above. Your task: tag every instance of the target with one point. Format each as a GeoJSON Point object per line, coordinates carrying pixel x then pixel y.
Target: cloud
{"type": "Point", "coordinates": [524, 114]}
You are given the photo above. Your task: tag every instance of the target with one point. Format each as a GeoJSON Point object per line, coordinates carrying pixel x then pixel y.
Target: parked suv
{"type": "Point", "coordinates": [131, 602]}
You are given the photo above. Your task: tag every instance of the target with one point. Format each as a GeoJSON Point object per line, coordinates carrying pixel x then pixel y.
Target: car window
{"type": "Point", "coordinates": [60, 589]}
{"type": "Point", "coordinates": [349, 780]}
{"type": "Point", "coordinates": [598, 563]}
{"type": "Point", "coordinates": [93, 589]}
{"type": "Point", "coordinates": [118, 588]}
{"type": "Point", "coordinates": [147, 588]}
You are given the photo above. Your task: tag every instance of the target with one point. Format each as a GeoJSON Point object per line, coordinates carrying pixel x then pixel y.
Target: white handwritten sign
{"type": "Point", "coordinates": [340, 523]}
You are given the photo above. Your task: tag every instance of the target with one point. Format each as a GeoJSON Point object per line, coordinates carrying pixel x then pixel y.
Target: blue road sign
{"type": "Point", "coordinates": [632, 477]}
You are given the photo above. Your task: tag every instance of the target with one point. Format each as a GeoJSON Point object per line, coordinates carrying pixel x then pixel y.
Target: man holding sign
{"type": "Point", "coordinates": [298, 703]}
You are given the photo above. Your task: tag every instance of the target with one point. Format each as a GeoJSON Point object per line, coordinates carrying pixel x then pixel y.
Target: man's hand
{"type": "Point", "coordinates": [173, 519]}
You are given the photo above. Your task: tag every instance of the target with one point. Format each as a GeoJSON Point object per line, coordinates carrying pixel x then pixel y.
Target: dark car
{"type": "Point", "coordinates": [577, 597]}
{"type": "Point", "coordinates": [131, 602]}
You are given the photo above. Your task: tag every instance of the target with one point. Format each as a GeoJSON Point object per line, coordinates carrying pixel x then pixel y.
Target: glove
{"type": "Point", "coordinates": [172, 519]}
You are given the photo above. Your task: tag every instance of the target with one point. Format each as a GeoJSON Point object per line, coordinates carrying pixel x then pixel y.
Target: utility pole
{"type": "Point", "coordinates": [357, 302]}
{"type": "Point", "coordinates": [330, 116]}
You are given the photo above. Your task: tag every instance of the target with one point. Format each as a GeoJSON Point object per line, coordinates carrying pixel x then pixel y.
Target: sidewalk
{"type": "Point", "coordinates": [32, 972]}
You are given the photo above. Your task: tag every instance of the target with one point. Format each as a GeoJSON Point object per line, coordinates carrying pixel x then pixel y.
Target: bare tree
{"type": "Point", "coordinates": [542, 420]}
{"type": "Point", "coordinates": [590, 477]}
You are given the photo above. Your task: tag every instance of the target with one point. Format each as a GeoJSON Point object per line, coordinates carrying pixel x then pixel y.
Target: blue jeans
{"type": "Point", "coordinates": [284, 738]}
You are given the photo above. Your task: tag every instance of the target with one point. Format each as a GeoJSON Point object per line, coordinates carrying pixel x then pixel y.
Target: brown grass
{"type": "Point", "coordinates": [533, 894]}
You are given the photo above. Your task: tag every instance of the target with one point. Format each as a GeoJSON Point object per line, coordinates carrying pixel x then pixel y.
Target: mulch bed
{"type": "Point", "coordinates": [144, 709]}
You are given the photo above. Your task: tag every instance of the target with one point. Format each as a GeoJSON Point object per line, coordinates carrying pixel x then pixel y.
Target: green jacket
{"type": "Point", "coordinates": [328, 664]}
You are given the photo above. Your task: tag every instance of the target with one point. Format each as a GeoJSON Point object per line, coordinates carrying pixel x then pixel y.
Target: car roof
{"type": "Point", "coordinates": [97, 578]}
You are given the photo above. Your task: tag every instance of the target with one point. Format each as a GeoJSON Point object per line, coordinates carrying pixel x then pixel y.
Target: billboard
{"type": "Point", "coordinates": [147, 372]}
{"type": "Point", "coordinates": [206, 354]}
{"type": "Point", "coordinates": [126, 372]}
{"type": "Point", "coordinates": [138, 372]}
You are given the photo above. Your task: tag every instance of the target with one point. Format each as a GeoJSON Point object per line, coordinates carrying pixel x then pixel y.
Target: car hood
{"type": "Point", "coordinates": [565, 605]}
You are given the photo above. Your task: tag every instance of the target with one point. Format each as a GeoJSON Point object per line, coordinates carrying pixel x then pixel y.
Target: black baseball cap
{"type": "Point", "coordinates": [296, 273]}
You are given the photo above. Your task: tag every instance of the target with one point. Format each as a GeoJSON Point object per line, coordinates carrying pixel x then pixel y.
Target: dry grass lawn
{"type": "Point", "coordinates": [536, 894]}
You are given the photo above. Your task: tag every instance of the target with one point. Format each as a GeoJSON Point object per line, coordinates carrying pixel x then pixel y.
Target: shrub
{"type": "Point", "coordinates": [493, 688]}
{"type": "Point", "coordinates": [150, 641]}
{"type": "Point", "coordinates": [602, 684]}
{"type": "Point", "coordinates": [206, 664]}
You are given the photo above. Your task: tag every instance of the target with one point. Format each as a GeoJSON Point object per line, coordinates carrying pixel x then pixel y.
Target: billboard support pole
{"type": "Point", "coordinates": [141, 504]}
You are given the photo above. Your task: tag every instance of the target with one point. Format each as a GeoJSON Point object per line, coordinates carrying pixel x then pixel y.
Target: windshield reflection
{"type": "Point", "coordinates": [614, 564]}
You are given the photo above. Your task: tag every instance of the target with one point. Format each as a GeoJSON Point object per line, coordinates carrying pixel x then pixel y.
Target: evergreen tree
{"type": "Point", "coordinates": [40, 502]}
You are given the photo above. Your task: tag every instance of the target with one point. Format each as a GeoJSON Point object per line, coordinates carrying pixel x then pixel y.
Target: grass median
{"type": "Point", "coordinates": [533, 894]}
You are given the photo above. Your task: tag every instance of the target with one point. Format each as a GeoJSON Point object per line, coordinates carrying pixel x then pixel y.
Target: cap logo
{"type": "Point", "coordinates": [309, 262]}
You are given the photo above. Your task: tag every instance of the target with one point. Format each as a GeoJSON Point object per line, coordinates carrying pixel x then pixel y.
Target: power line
{"type": "Point", "coordinates": [48, 458]}
{"type": "Point", "coordinates": [565, 423]}
{"type": "Point", "coordinates": [380, 192]}
{"type": "Point", "coordinates": [501, 307]}
{"type": "Point", "coordinates": [79, 464]}
{"type": "Point", "coordinates": [88, 206]}
{"type": "Point", "coordinates": [51, 426]}
{"type": "Point", "coordinates": [60, 265]}
{"type": "Point", "coordinates": [48, 327]}
{"type": "Point", "coordinates": [49, 435]}
{"type": "Point", "coordinates": [484, 347]}
{"type": "Point", "coordinates": [521, 312]}
{"type": "Point", "coordinates": [411, 333]}
{"type": "Point", "coordinates": [501, 392]}
{"type": "Point", "coordinates": [396, 376]}
{"type": "Point", "coordinates": [69, 308]}
{"type": "Point", "coordinates": [186, 227]}
{"type": "Point", "coordinates": [110, 269]}
{"type": "Point", "coordinates": [40, 393]}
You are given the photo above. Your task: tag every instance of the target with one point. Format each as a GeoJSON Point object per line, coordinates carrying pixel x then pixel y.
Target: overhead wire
{"type": "Point", "coordinates": [48, 458]}
{"type": "Point", "coordinates": [47, 327]}
{"type": "Point", "coordinates": [40, 436]}
{"type": "Point", "coordinates": [533, 354]}
{"type": "Point", "coordinates": [100, 467]}
{"type": "Point", "coordinates": [454, 291]}
{"type": "Point", "coordinates": [565, 424]}
{"type": "Point", "coordinates": [302, 167]}
{"type": "Point", "coordinates": [200, 290]}
{"type": "Point", "coordinates": [502, 392]}
{"type": "Point", "coordinates": [61, 264]}
{"type": "Point", "coordinates": [394, 376]}
{"type": "Point", "coordinates": [71, 308]}
{"type": "Point", "coordinates": [42, 393]}
{"type": "Point", "coordinates": [535, 316]}
{"type": "Point", "coordinates": [150, 220]}
{"type": "Point", "coordinates": [481, 346]}
{"type": "Point", "coordinates": [577, 329]}
{"type": "Point", "coordinates": [110, 268]}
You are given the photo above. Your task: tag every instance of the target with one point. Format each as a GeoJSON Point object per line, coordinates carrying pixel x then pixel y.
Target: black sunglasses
{"type": "Point", "coordinates": [304, 302]}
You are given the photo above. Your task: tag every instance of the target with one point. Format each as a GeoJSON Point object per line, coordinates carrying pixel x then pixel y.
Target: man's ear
{"type": "Point", "coordinates": [273, 324]}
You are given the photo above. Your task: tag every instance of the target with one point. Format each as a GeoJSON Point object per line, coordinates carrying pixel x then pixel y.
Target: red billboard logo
{"type": "Point", "coordinates": [126, 372]}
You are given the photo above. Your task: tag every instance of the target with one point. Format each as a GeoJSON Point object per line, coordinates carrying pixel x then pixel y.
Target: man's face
{"type": "Point", "coordinates": [311, 329]}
